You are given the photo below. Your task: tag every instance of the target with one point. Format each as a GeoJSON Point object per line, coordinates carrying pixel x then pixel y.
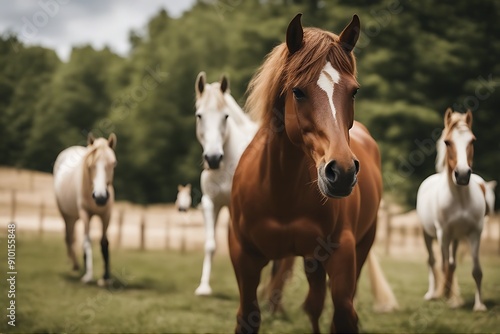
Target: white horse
{"type": "Point", "coordinates": [183, 201]}
{"type": "Point", "coordinates": [451, 205]}
{"type": "Point", "coordinates": [224, 131]}
{"type": "Point", "coordinates": [83, 178]}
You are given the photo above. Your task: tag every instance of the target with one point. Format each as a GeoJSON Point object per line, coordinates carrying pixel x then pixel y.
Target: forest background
{"type": "Point", "coordinates": [415, 59]}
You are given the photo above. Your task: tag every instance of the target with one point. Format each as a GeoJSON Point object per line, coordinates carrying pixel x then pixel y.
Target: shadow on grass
{"type": "Point", "coordinates": [117, 284]}
{"type": "Point", "coordinates": [469, 304]}
{"type": "Point", "coordinates": [224, 296]}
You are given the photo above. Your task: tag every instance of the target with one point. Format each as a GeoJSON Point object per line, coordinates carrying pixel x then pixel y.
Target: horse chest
{"type": "Point", "coordinates": [277, 238]}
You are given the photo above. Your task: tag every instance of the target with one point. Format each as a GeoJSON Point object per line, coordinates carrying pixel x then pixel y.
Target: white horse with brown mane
{"type": "Point", "coordinates": [224, 131]}
{"type": "Point", "coordinates": [451, 205]}
{"type": "Point", "coordinates": [83, 178]}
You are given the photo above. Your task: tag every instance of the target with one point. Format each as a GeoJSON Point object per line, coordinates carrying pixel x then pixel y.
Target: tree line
{"type": "Point", "coordinates": [415, 59]}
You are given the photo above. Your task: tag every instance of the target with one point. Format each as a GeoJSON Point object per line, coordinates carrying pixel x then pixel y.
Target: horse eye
{"type": "Point", "coordinates": [226, 116]}
{"type": "Point", "coordinates": [354, 93]}
{"type": "Point", "coordinates": [447, 142]}
{"type": "Point", "coordinates": [198, 116]}
{"type": "Point", "coordinates": [298, 94]}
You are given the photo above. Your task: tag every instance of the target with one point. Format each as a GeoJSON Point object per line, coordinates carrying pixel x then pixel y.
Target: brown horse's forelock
{"type": "Point", "coordinates": [282, 71]}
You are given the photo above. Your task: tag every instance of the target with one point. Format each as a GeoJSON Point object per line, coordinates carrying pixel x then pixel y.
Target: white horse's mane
{"type": "Point", "coordinates": [235, 112]}
{"type": "Point", "coordinates": [441, 154]}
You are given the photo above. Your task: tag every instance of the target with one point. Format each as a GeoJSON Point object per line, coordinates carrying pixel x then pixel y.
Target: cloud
{"type": "Point", "coordinates": [62, 24]}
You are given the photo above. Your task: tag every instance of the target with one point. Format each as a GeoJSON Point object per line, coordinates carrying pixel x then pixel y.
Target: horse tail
{"type": "Point", "coordinates": [384, 299]}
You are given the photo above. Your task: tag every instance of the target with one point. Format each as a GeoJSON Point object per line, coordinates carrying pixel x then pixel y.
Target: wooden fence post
{"type": "Point", "coordinates": [42, 216]}
{"type": "Point", "coordinates": [13, 206]}
{"type": "Point", "coordinates": [120, 228]}
{"type": "Point", "coordinates": [143, 230]}
{"type": "Point", "coordinates": [183, 233]}
{"type": "Point", "coordinates": [388, 229]}
{"type": "Point", "coordinates": [167, 233]}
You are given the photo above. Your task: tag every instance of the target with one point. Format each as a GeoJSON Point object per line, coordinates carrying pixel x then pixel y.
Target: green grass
{"type": "Point", "coordinates": [153, 292]}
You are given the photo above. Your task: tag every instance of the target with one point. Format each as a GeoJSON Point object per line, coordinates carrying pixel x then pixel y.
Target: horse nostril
{"type": "Point", "coordinates": [356, 165]}
{"type": "Point", "coordinates": [456, 174]}
{"type": "Point", "coordinates": [469, 172]}
{"type": "Point", "coordinates": [332, 172]}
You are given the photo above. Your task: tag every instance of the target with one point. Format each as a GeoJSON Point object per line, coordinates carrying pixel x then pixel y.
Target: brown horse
{"type": "Point", "coordinates": [298, 188]}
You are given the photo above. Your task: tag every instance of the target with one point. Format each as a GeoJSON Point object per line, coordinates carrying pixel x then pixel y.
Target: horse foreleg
{"type": "Point", "coordinates": [87, 248]}
{"type": "Point", "coordinates": [315, 300]}
{"type": "Point", "coordinates": [210, 214]}
{"type": "Point", "coordinates": [247, 269]}
{"type": "Point", "coordinates": [448, 268]}
{"type": "Point", "coordinates": [433, 275]}
{"type": "Point", "coordinates": [477, 272]}
{"type": "Point", "coordinates": [70, 240]}
{"type": "Point", "coordinates": [281, 271]}
{"type": "Point", "coordinates": [341, 269]}
{"type": "Point", "coordinates": [106, 278]}
{"type": "Point", "coordinates": [454, 300]}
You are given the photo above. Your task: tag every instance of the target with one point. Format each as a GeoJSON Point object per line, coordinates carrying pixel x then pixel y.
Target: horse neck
{"type": "Point", "coordinates": [240, 118]}
{"type": "Point", "coordinates": [86, 182]}
{"type": "Point", "coordinates": [285, 159]}
{"type": "Point", "coordinates": [235, 143]}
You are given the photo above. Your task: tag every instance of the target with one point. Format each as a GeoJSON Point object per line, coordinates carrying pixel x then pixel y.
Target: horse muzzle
{"type": "Point", "coordinates": [335, 182]}
{"type": "Point", "coordinates": [100, 199]}
{"type": "Point", "coordinates": [213, 160]}
{"type": "Point", "coordinates": [462, 178]}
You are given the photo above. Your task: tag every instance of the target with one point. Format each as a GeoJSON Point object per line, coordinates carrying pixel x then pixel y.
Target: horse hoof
{"type": "Point", "coordinates": [455, 302]}
{"type": "Point", "coordinates": [429, 296]}
{"type": "Point", "coordinates": [86, 279]}
{"type": "Point", "coordinates": [203, 290]}
{"type": "Point", "coordinates": [479, 308]}
{"type": "Point", "coordinates": [103, 283]}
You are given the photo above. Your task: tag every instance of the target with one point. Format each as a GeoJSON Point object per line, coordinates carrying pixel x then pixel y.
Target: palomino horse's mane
{"type": "Point", "coordinates": [282, 71]}
{"type": "Point", "coordinates": [457, 121]}
{"type": "Point", "coordinates": [95, 151]}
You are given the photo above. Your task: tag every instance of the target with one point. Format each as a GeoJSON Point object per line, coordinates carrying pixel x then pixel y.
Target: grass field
{"type": "Point", "coordinates": [153, 292]}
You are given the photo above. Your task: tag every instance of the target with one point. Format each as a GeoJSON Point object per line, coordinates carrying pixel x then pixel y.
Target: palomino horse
{"type": "Point", "coordinates": [83, 178]}
{"type": "Point", "coordinates": [298, 188]}
{"type": "Point", "coordinates": [183, 201]}
{"type": "Point", "coordinates": [224, 131]}
{"type": "Point", "coordinates": [452, 204]}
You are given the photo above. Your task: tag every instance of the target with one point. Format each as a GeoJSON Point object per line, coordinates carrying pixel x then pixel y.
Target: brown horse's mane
{"type": "Point", "coordinates": [282, 71]}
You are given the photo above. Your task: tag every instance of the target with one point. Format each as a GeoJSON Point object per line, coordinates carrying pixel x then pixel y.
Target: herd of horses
{"type": "Point", "coordinates": [302, 178]}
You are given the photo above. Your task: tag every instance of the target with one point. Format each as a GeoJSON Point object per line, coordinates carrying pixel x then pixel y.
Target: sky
{"type": "Point", "coordinates": [61, 24]}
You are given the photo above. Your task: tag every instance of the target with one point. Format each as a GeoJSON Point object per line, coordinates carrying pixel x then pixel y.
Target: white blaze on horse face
{"type": "Point", "coordinates": [461, 137]}
{"type": "Point", "coordinates": [326, 81]}
{"type": "Point", "coordinates": [100, 179]}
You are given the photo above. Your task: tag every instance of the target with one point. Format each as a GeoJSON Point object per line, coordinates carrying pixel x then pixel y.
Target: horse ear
{"type": "Point", "coordinates": [349, 36]}
{"type": "Point", "coordinates": [294, 34]}
{"type": "Point", "coordinates": [224, 83]}
{"type": "Point", "coordinates": [179, 187]}
{"type": "Point", "coordinates": [90, 138]}
{"type": "Point", "coordinates": [188, 185]}
{"type": "Point", "coordinates": [447, 117]}
{"type": "Point", "coordinates": [200, 84]}
{"type": "Point", "coordinates": [468, 118]}
{"type": "Point", "coordinates": [112, 141]}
